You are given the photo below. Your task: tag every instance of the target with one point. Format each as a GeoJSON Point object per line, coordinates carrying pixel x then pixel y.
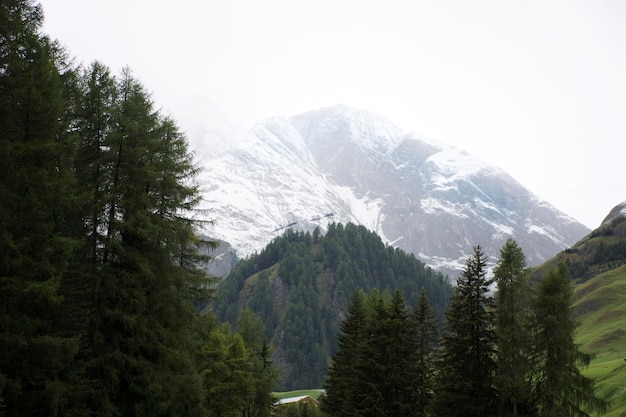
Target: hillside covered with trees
{"type": "Point", "coordinates": [301, 284]}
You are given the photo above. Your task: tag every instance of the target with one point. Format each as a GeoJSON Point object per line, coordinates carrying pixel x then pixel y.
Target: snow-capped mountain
{"type": "Point", "coordinates": [348, 165]}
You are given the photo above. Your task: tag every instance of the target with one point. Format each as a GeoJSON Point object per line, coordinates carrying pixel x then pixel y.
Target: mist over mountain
{"type": "Point", "coordinates": [342, 164]}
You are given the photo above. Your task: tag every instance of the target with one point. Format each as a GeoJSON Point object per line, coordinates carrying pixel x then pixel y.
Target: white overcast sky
{"type": "Point", "coordinates": [535, 87]}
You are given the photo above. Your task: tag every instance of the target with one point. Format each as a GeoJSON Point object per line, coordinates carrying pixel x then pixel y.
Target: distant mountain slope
{"type": "Point", "coordinates": [603, 249]}
{"type": "Point", "coordinates": [301, 285]}
{"type": "Point", "coordinates": [597, 264]}
{"type": "Point", "coordinates": [427, 198]}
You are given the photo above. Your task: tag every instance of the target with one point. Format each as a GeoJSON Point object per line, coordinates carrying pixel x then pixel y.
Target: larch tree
{"type": "Point", "coordinates": [560, 389]}
{"type": "Point", "coordinates": [467, 361]}
{"type": "Point", "coordinates": [148, 277]}
{"type": "Point", "coordinates": [264, 374]}
{"type": "Point", "coordinates": [513, 306]}
{"type": "Point", "coordinates": [36, 189]}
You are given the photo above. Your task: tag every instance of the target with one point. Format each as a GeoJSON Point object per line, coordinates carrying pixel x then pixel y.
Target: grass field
{"type": "Point", "coordinates": [601, 310]}
{"type": "Point", "coordinates": [314, 393]}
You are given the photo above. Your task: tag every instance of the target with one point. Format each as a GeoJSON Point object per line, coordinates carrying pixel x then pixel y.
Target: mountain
{"type": "Point", "coordinates": [302, 283]}
{"type": "Point", "coordinates": [597, 264]}
{"type": "Point", "coordinates": [349, 165]}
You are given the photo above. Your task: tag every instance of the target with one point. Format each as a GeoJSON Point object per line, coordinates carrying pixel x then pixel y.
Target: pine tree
{"type": "Point", "coordinates": [560, 389]}
{"type": "Point", "coordinates": [36, 246]}
{"type": "Point", "coordinates": [427, 335]}
{"type": "Point", "coordinates": [513, 302]}
{"type": "Point", "coordinates": [467, 366]}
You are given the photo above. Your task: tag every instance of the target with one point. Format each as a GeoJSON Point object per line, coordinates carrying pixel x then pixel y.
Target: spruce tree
{"type": "Point", "coordinates": [467, 364]}
{"type": "Point", "coordinates": [513, 302]}
{"type": "Point", "coordinates": [427, 335]}
{"type": "Point", "coordinates": [343, 379]}
{"type": "Point", "coordinates": [389, 360]}
{"type": "Point", "coordinates": [374, 371]}
{"type": "Point", "coordinates": [560, 388]}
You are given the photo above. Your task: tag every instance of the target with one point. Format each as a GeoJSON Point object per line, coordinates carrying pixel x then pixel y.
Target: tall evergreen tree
{"type": "Point", "coordinates": [389, 360]}
{"type": "Point", "coordinates": [343, 380]}
{"type": "Point", "coordinates": [147, 278]}
{"type": "Point", "coordinates": [373, 372]}
{"type": "Point", "coordinates": [467, 366]}
{"type": "Point", "coordinates": [427, 335]}
{"type": "Point", "coordinates": [36, 248]}
{"type": "Point", "coordinates": [513, 302]}
{"type": "Point", "coordinates": [560, 390]}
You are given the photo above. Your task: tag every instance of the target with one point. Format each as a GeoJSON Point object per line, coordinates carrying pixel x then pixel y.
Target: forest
{"type": "Point", "coordinates": [101, 279]}
{"type": "Point", "coordinates": [301, 284]}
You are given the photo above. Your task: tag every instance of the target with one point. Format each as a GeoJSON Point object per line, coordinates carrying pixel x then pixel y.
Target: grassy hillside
{"type": "Point", "coordinates": [597, 264]}
{"type": "Point", "coordinates": [601, 309]}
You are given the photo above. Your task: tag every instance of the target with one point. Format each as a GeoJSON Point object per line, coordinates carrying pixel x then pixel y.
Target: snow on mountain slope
{"type": "Point", "coordinates": [427, 198]}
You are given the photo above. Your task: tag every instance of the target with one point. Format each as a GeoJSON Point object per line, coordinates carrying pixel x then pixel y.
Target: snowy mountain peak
{"type": "Point", "coordinates": [349, 165]}
{"type": "Point", "coordinates": [341, 125]}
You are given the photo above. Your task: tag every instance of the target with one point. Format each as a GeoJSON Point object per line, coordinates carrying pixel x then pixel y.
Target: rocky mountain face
{"type": "Point", "coordinates": [342, 164]}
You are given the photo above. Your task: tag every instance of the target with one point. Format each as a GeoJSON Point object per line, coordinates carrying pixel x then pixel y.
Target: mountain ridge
{"type": "Point", "coordinates": [425, 197]}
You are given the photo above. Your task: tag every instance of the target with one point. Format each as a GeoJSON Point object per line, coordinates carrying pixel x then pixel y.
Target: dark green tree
{"type": "Point", "coordinates": [374, 370]}
{"type": "Point", "coordinates": [264, 374]}
{"type": "Point", "coordinates": [467, 365]}
{"type": "Point", "coordinates": [388, 362]}
{"type": "Point", "coordinates": [226, 372]}
{"type": "Point", "coordinates": [36, 243]}
{"type": "Point", "coordinates": [513, 303]}
{"type": "Point", "coordinates": [343, 380]}
{"type": "Point", "coordinates": [560, 389]}
{"type": "Point", "coordinates": [427, 338]}
{"type": "Point", "coordinates": [147, 277]}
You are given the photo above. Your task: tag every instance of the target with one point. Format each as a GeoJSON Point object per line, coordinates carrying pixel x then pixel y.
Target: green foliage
{"type": "Point", "coordinates": [36, 248]}
{"type": "Point", "coordinates": [374, 371]}
{"type": "Point", "coordinates": [513, 304]}
{"type": "Point", "coordinates": [143, 252]}
{"type": "Point", "coordinates": [561, 388]}
{"type": "Point", "coordinates": [238, 375]}
{"type": "Point", "coordinates": [427, 333]}
{"type": "Point", "coordinates": [466, 373]}
{"type": "Point", "coordinates": [300, 286]}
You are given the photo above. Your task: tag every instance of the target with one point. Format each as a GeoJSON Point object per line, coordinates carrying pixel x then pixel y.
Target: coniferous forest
{"type": "Point", "coordinates": [101, 279]}
{"type": "Point", "coordinates": [301, 284]}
